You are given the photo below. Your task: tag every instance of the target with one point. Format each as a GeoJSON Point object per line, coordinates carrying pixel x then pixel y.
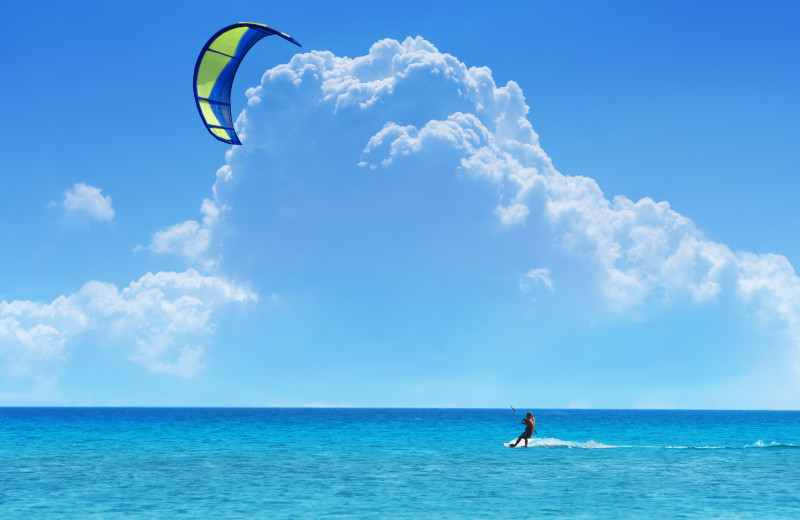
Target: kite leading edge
{"type": "Point", "coordinates": [214, 71]}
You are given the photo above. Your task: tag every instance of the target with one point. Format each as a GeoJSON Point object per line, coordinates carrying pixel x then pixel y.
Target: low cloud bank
{"type": "Point", "coordinates": [162, 320]}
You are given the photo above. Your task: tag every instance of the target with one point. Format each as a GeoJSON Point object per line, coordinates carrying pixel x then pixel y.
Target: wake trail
{"type": "Point", "coordinates": [553, 443]}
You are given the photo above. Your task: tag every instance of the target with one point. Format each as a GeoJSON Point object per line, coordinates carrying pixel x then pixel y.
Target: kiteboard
{"type": "Point", "coordinates": [511, 444]}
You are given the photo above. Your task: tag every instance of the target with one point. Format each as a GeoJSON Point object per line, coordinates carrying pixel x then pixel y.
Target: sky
{"type": "Point", "coordinates": [564, 204]}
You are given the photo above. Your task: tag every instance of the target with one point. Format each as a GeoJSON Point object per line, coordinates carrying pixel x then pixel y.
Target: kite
{"type": "Point", "coordinates": [214, 71]}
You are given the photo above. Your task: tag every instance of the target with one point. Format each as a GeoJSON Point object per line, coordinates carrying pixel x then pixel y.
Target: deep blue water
{"type": "Point", "coordinates": [70, 463]}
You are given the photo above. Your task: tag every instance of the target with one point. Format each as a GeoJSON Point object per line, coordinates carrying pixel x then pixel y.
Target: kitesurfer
{"type": "Point", "coordinates": [530, 429]}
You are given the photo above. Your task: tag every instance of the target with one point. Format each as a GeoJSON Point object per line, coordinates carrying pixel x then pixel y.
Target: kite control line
{"type": "Point", "coordinates": [515, 411]}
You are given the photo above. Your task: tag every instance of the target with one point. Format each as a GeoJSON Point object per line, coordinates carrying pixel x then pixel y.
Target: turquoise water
{"type": "Point", "coordinates": [69, 463]}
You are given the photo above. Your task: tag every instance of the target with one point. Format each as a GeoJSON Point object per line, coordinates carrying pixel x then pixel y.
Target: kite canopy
{"type": "Point", "coordinates": [214, 71]}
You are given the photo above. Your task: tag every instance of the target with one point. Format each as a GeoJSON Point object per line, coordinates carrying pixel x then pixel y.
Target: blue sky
{"type": "Point", "coordinates": [557, 204]}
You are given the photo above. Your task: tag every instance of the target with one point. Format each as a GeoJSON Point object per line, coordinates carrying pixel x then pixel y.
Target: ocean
{"type": "Point", "coordinates": [347, 463]}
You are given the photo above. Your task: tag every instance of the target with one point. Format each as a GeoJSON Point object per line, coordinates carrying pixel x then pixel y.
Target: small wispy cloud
{"type": "Point", "coordinates": [86, 202]}
{"type": "Point", "coordinates": [191, 239]}
{"type": "Point", "coordinates": [537, 277]}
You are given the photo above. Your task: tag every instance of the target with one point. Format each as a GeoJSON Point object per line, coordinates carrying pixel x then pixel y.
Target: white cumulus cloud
{"type": "Point", "coordinates": [420, 101]}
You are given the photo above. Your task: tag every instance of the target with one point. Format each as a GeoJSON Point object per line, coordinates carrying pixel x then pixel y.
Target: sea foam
{"type": "Point", "coordinates": [761, 444]}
